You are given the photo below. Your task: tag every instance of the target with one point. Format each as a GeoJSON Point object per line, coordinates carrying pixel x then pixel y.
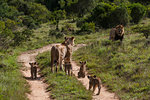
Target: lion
{"type": "Point", "coordinates": [82, 70]}
{"type": "Point", "coordinates": [67, 60]}
{"type": "Point", "coordinates": [33, 70]}
{"type": "Point", "coordinates": [117, 33]}
{"type": "Point", "coordinates": [68, 68]}
{"type": "Point", "coordinates": [59, 52]}
{"type": "Point", "coordinates": [94, 82]}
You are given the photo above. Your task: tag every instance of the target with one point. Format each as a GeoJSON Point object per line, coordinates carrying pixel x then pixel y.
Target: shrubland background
{"type": "Point", "coordinates": [30, 24]}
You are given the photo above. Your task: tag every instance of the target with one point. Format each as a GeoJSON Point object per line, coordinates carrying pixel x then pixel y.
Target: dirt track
{"type": "Point", "coordinates": [38, 88]}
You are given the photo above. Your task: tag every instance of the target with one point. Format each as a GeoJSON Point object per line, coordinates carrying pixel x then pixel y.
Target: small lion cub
{"type": "Point", "coordinates": [68, 68]}
{"type": "Point", "coordinates": [94, 82]}
{"type": "Point", "coordinates": [33, 70]}
{"type": "Point", "coordinates": [81, 73]}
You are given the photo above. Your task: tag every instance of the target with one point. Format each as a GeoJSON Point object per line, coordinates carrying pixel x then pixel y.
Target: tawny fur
{"type": "Point", "coordinates": [94, 82]}
{"type": "Point", "coordinates": [82, 70]}
{"type": "Point", "coordinates": [117, 33]}
{"type": "Point", "coordinates": [67, 60]}
{"type": "Point", "coordinates": [59, 52]}
{"type": "Point", "coordinates": [33, 70]}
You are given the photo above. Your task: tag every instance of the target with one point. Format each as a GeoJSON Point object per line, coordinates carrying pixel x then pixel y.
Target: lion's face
{"type": "Point", "coordinates": [91, 77]}
{"type": "Point", "coordinates": [119, 30]}
{"type": "Point", "coordinates": [69, 41]}
{"type": "Point", "coordinates": [83, 64]}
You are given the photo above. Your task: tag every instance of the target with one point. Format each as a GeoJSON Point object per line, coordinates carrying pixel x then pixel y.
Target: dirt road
{"type": "Point", "coordinates": [38, 88]}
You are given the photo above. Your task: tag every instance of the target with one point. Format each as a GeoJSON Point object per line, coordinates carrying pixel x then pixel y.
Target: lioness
{"type": "Point", "coordinates": [82, 70]}
{"type": "Point", "coordinates": [117, 33]}
{"type": "Point", "coordinates": [59, 52]}
{"type": "Point", "coordinates": [33, 70]}
{"type": "Point", "coordinates": [94, 82]}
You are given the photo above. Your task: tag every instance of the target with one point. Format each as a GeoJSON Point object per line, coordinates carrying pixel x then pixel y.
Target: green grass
{"type": "Point", "coordinates": [103, 58]}
{"type": "Point", "coordinates": [12, 85]}
{"type": "Point", "coordinates": [62, 86]}
{"type": "Point", "coordinates": [132, 55]}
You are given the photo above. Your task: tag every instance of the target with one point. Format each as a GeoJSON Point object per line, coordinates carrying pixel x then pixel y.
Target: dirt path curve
{"type": "Point", "coordinates": [38, 88]}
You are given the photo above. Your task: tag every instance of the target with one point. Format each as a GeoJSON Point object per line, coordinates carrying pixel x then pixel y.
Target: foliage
{"type": "Point", "coordinates": [148, 11]}
{"type": "Point", "coordinates": [137, 12]}
{"type": "Point", "coordinates": [67, 29]}
{"type": "Point", "coordinates": [142, 29]}
{"type": "Point", "coordinates": [105, 15]}
{"type": "Point", "coordinates": [80, 21]}
{"type": "Point", "coordinates": [12, 85]}
{"type": "Point", "coordinates": [22, 36]}
{"type": "Point", "coordinates": [57, 16]}
{"type": "Point", "coordinates": [119, 16]}
{"type": "Point", "coordinates": [56, 33]}
{"type": "Point", "coordinates": [100, 15]}
{"type": "Point", "coordinates": [89, 27]}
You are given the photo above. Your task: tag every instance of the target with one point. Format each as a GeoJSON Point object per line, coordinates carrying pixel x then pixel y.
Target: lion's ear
{"type": "Point", "coordinates": [30, 63]}
{"type": "Point", "coordinates": [85, 62]}
{"type": "Point", "coordinates": [35, 63]}
{"type": "Point", "coordinates": [65, 38]}
{"type": "Point", "coordinates": [94, 76]}
{"type": "Point", "coordinates": [80, 62]}
{"type": "Point", "coordinates": [72, 38]}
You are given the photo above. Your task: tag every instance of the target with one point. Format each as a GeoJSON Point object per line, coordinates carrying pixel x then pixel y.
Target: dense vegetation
{"type": "Point", "coordinates": [30, 24]}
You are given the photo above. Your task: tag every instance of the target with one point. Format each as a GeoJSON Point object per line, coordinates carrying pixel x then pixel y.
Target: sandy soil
{"type": "Point", "coordinates": [38, 88]}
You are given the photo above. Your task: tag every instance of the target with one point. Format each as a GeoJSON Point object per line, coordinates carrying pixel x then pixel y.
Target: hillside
{"type": "Point", "coordinates": [31, 24]}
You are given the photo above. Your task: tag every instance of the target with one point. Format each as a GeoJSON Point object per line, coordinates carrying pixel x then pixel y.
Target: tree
{"type": "Point", "coordinates": [58, 15]}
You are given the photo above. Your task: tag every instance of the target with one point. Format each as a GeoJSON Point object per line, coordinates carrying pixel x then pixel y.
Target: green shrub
{"type": "Point", "coordinates": [148, 11]}
{"type": "Point", "coordinates": [67, 28]}
{"type": "Point", "coordinates": [142, 29]}
{"type": "Point", "coordinates": [119, 16]}
{"type": "Point", "coordinates": [29, 22]}
{"type": "Point", "coordinates": [22, 36]}
{"type": "Point", "coordinates": [56, 33]}
{"type": "Point", "coordinates": [137, 12]}
{"type": "Point", "coordinates": [80, 21]}
{"type": "Point", "coordinates": [88, 27]}
{"type": "Point", "coordinates": [100, 15]}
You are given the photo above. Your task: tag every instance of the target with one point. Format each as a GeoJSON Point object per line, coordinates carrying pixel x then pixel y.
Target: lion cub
{"type": "Point", "coordinates": [68, 68]}
{"type": "Point", "coordinates": [94, 82]}
{"type": "Point", "coordinates": [67, 60]}
{"type": "Point", "coordinates": [33, 70]}
{"type": "Point", "coordinates": [81, 73]}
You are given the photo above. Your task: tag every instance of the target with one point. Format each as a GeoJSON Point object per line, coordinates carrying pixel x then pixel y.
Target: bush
{"type": "Point", "coordinates": [22, 36]}
{"type": "Point", "coordinates": [119, 16]}
{"type": "Point", "coordinates": [105, 15]}
{"type": "Point", "coordinates": [142, 29]}
{"type": "Point", "coordinates": [148, 11]}
{"type": "Point", "coordinates": [67, 28]}
{"type": "Point", "coordinates": [29, 22]}
{"type": "Point", "coordinates": [81, 21]}
{"type": "Point", "coordinates": [56, 33]}
{"type": "Point", "coordinates": [100, 15]}
{"type": "Point", "coordinates": [88, 27]}
{"type": "Point", "coordinates": [137, 12]}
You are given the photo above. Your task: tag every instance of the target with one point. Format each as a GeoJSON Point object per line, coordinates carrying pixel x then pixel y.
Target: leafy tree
{"type": "Point", "coordinates": [137, 12]}
{"type": "Point", "coordinates": [119, 15]}
{"type": "Point", "coordinates": [100, 15]}
{"type": "Point", "coordinates": [58, 15]}
{"type": "Point", "coordinates": [20, 37]}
